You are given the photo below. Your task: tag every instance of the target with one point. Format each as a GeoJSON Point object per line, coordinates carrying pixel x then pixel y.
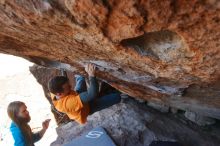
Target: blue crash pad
{"type": "Point", "coordinates": [95, 137]}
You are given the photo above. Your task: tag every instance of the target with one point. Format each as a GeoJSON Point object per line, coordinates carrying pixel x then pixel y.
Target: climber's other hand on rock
{"type": "Point", "coordinates": [90, 69]}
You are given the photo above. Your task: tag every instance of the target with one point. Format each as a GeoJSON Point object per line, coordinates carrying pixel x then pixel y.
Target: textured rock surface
{"type": "Point", "coordinates": [134, 124]}
{"type": "Point", "coordinates": [200, 120]}
{"type": "Point", "coordinates": [160, 107]}
{"type": "Point", "coordinates": [151, 49]}
{"type": "Point", "coordinates": [42, 76]}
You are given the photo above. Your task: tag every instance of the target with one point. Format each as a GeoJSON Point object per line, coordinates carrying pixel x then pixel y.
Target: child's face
{"type": "Point", "coordinates": [23, 113]}
{"type": "Point", "coordinates": [66, 89]}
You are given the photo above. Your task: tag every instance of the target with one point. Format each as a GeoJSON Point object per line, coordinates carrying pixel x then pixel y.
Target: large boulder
{"type": "Point", "coordinates": [150, 49]}
{"type": "Point", "coordinates": [131, 123]}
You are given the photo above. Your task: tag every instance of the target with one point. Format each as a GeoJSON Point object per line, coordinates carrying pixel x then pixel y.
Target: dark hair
{"type": "Point", "coordinates": [55, 84]}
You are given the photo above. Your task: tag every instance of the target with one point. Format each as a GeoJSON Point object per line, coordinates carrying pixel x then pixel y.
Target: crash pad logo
{"type": "Point", "coordinates": [94, 134]}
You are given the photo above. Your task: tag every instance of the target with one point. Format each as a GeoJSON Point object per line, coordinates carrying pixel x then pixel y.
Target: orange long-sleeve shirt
{"type": "Point", "coordinates": [72, 106]}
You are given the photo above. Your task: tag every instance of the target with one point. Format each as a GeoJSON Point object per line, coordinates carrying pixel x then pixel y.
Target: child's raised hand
{"type": "Point", "coordinates": [45, 124]}
{"type": "Point", "coordinates": [90, 69]}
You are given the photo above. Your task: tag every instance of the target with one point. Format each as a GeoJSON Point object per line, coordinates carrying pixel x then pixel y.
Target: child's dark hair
{"type": "Point", "coordinates": [55, 84]}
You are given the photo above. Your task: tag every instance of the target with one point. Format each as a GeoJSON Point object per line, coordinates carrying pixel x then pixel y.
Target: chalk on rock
{"type": "Point", "coordinates": [199, 119]}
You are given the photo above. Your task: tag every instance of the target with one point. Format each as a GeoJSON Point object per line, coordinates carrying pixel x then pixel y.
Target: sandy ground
{"type": "Point", "coordinates": [17, 83]}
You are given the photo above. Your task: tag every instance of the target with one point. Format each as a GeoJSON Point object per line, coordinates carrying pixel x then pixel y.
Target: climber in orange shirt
{"type": "Point", "coordinates": [80, 103]}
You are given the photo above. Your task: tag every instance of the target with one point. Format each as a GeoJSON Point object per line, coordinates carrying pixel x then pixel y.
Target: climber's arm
{"type": "Point", "coordinates": [92, 91]}
{"type": "Point", "coordinates": [93, 85]}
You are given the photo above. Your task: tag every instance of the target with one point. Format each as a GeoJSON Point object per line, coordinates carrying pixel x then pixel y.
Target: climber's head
{"type": "Point", "coordinates": [59, 85]}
